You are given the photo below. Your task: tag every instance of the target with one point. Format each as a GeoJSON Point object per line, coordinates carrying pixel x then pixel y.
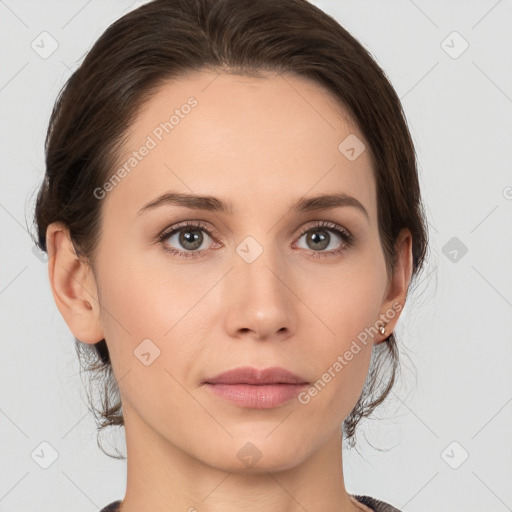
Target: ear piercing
{"type": "Point", "coordinates": [382, 330]}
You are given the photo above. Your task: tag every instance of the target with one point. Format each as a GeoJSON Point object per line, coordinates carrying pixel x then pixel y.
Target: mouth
{"type": "Point", "coordinates": [253, 376]}
{"type": "Point", "coordinates": [256, 389]}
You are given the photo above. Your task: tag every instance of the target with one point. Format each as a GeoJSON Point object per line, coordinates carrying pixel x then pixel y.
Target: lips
{"type": "Point", "coordinates": [253, 376]}
{"type": "Point", "coordinates": [256, 389]}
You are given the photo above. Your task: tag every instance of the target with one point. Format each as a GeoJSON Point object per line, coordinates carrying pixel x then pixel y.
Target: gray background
{"type": "Point", "coordinates": [445, 432]}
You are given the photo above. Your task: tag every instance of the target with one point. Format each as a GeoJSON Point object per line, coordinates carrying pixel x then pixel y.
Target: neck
{"type": "Point", "coordinates": [163, 478]}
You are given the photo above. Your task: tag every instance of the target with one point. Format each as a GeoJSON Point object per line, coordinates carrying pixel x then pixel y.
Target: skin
{"type": "Point", "coordinates": [261, 143]}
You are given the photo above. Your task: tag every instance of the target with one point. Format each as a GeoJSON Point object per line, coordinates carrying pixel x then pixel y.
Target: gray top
{"type": "Point", "coordinates": [373, 503]}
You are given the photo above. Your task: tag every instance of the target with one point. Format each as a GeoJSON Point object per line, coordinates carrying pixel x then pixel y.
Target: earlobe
{"type": "Point", "coordinates": [73, 286]}
{"type": "Point", "coordinates": [399, 283]}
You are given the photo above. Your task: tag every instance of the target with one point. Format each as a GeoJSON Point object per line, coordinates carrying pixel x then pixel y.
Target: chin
{"type": "Point", "coordinates": [254, 454]}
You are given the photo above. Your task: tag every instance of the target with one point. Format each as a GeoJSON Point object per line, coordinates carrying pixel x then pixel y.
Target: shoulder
{"type": "Point", "coordinates": [113, 507]}
{"type": "Point", "coordinates": [374, 504]}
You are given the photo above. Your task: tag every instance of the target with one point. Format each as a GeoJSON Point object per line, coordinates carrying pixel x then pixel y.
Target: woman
{"type": "Point", "coordinates": [233, 220]}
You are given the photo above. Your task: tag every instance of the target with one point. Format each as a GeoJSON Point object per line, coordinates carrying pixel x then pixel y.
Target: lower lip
{"type": "Point", "coordinates": [252, 396]}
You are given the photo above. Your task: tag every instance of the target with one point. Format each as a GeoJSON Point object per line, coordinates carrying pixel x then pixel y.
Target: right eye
{"type": "Point", "coordinates": [189, 236]}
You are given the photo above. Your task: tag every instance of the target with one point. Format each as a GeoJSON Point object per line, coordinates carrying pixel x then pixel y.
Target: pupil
{"type": "Point", "coordinates": [321, 240]}
{"type": "Point", "coordinates": [188, 237]}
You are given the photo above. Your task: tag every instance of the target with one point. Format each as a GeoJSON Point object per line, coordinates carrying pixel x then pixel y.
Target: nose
{"type": "Point", "coordinates": [259, 300]}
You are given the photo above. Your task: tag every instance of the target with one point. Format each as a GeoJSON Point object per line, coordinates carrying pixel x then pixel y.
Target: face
{"type": "Point", "coordinates": [188, 291]}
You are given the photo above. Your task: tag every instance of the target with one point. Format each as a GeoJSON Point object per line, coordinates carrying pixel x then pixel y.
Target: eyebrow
{"type": "Point", "coordinates": [214, 204]}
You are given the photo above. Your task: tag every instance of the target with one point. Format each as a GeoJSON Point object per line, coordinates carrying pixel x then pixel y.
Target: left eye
{"type": "Point", "coordinates": [319, 239]}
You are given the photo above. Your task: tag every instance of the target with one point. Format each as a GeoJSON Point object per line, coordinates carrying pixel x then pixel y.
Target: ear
{"type": "Point", "coordinates": [396, 293]}
{"type": "Point", "coordinates": [73, 286]}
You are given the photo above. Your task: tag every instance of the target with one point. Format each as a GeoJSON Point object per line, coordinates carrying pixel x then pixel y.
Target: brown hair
{"type": "Point", "coordinates": [166, 39]}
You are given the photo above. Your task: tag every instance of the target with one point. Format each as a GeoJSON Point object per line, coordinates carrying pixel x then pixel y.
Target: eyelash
{"type": "Point", "coordinates": [346, 237]}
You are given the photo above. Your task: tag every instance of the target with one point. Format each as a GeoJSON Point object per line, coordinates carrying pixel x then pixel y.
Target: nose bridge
{"type": "Point", "coordinates": [257, 264]}
{"type": "Point", "coordinates": [258, 296]}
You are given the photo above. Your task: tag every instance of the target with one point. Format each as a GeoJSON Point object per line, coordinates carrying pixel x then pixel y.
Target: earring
{"type": "Point", "coordinates": [382, 330]}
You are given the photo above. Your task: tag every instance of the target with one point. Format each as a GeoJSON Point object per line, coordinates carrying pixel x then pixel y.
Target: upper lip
{"type": "Point", "coordinates": [250, 375]}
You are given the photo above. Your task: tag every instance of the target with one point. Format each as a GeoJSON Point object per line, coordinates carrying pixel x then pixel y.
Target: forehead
{"type": "Point", "coordinates": [257, 141]}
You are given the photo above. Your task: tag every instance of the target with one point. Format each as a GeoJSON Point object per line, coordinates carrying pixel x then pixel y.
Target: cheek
{"type": "Point", "coordinates": [352, 315]}
{"type": "Point", "coordinates": [153, 301]}
{"type": "Point", "coordinates": [343, 358]}
{"type": "Point", "coordinates": [153, 332]}
{"type": "Point", "coordinates": [348, 303]}
{"type": "Point", "coordinates": [345, 301]}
